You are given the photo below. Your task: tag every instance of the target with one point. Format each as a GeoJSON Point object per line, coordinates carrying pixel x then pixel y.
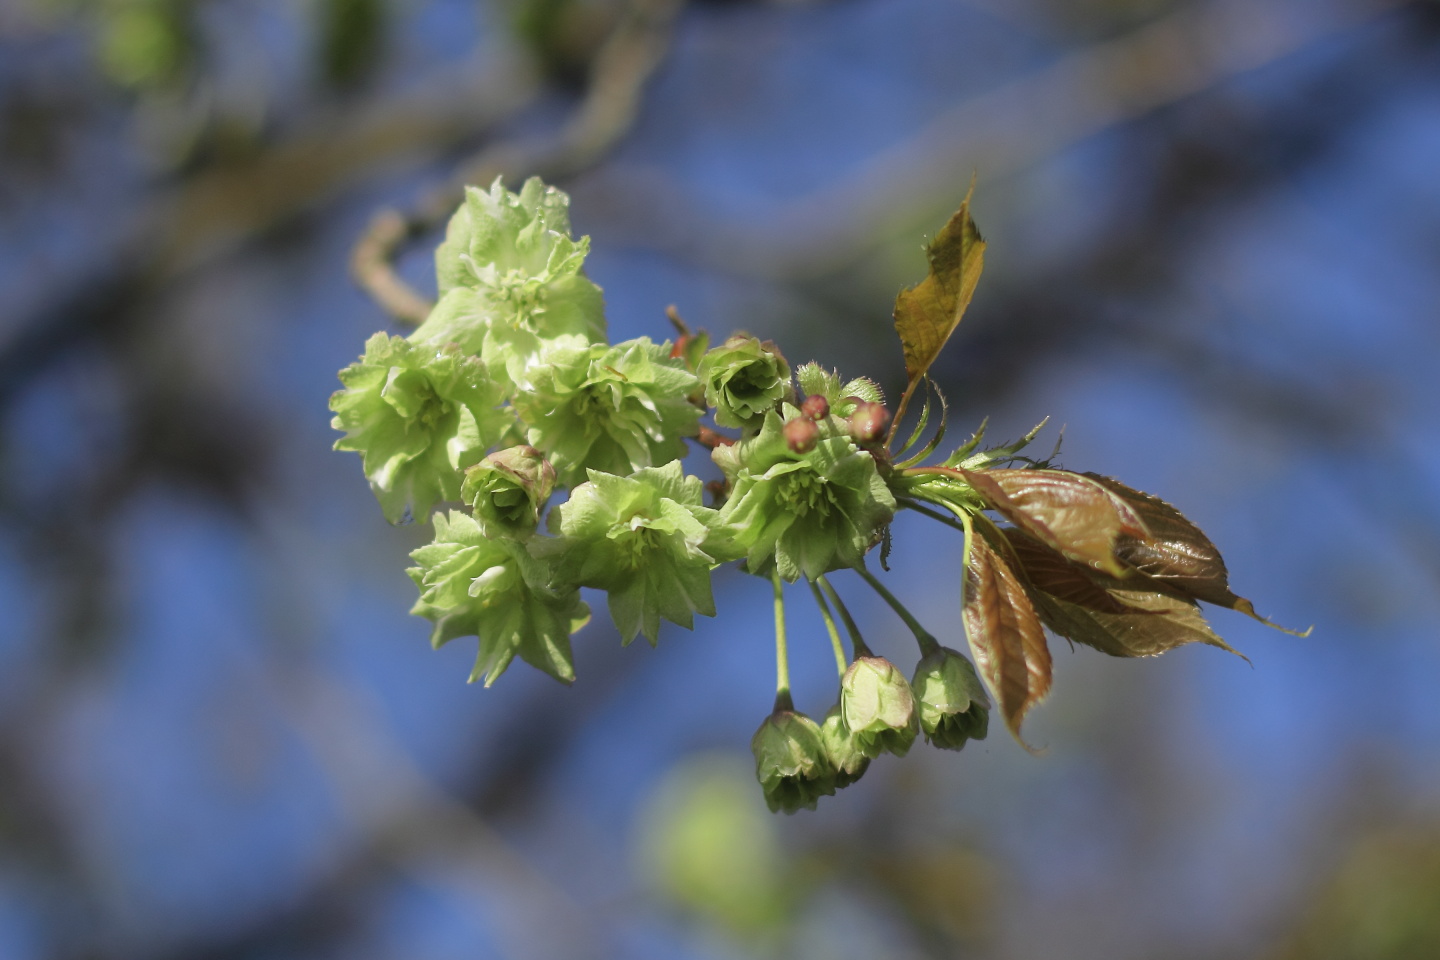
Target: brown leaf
{"type": "Point", "coordinates": [1005, 634]}
{"type": "Point", "coordinates": [1154, 623]}
{"type": "Point", "coordinates": [927, 313]}
{"type": "Point", "coordinates": [1124, 618]}
{"type": "Point", "coordinates": [1068, 512]}
{"type": "Point", "coordinates": [1176, 552]}
{"type": "Point", "coordinates": [1049, 571]}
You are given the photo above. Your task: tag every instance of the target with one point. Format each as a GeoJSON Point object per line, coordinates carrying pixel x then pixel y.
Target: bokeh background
{"type": "Point", "coordinates": [1214, 256]}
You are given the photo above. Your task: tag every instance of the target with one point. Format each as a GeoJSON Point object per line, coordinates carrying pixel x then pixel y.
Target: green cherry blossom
{"type": "Point", "coordinates": [510, 279]}
{"type": "Point", "coordinates": [417, 415]}
{"type": "Point", "coordinates": [807, 513]}
{"type": "Point", "coordinates": [844, 749]}
{"type": "Point", "coordinates": [878, 707]}
{"type": "Point", "coordinates": [471, 585]}
{"type": "Point", "coordinates": [952, 702]}
{"type": "Point", "coordinates": [613, 409]}
{"type": "Point", "coordinates": [507, 490]}
{"type": "Point", "coordinates": [743, 379]}
{"type": "Point", "coordinates": [791, 762]}
{"type": "Point", "coordinates": [648, 540]}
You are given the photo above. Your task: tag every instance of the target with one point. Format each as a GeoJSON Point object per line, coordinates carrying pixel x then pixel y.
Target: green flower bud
{"type": "Point", "coordinates": [801, 435]}
{"type": "Point", "coordinates": [952, 701]}
{"type": "Point", "coordinates": [507, 490]}
{"type": "Point", "coordinates": [843, 749]}
{"type": "Point", "coordinates": [648, 540]}
{"type": "Point", "coordinates": [510, 279]}
{"type": "Point", "coordinates": [868, 423]}
{"type": "Point", "coordinates": [807, 513]}
{"type": "Point", "coordinates": [613, 409]}
{"type": "Point", "coordinates": [471, 585]}
{"type": "Point", "coordinates": [791, 763]}
{"type": "Point", "coordinates": [878, 707]}
{"type": "Point", "coordinates": [418, 415]}
{"type": "Point", "coordinates": [743, 379]}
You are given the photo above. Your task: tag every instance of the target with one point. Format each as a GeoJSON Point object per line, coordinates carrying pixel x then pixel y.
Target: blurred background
{"type": "Point", "coordinates": [1214, 256]}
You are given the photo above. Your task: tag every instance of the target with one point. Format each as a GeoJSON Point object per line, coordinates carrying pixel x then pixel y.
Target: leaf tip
{"type": "Point", "coordinates": [1248, 608]}
{"type": "Point", "coordinates": [1036, 752]}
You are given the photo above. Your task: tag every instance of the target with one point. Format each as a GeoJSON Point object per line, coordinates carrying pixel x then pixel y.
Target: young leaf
{"type": "Point", "coordinates": [1118, 617]}
{"type": "Point", "coordinates": [927, 313]}
{"type": "Point", "coordinates": [1004, 632]}
{"type": "Point", "coordinates": [1066, 511]}
{"type": "Point", "coordinates": [1176, 552]}
{"type": "Point", "coordinates": [1049, 572]}
{"type": "Point", "coordinates": [939, 435]}
{"type": "Point", "coordinates": [957, 457]}
{"type": "Point", "coordinates": [920, 424]}
{"type": "Point", "coordinates": [966, 458]}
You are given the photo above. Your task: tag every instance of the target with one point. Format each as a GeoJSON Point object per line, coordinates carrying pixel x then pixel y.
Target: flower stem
{"type": "Point", "coordinates": [919, 507]}
{"type": "Point", "coordinates": [840, 663]}
{"type": "Point", "coordinates": [928, 644]}
{"type": "Point", "coordinates": [856, 641]}
{"type": "Point", "coordinates": [782, 655]}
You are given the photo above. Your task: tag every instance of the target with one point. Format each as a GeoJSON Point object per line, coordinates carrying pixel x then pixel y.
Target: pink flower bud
{"type": "Point", "coordinates": [815, 407]}
{"type": "Point", "coordinates": [801, 435]}
{"type": "Point", "coordinates": [868, 423]}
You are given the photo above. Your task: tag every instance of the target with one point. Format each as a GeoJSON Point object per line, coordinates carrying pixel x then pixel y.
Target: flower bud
{"type": "Point", "coordinates": [868, 423]}
{"type": "Point", "coordinates": [953, 706]}
{"type": "Point", "coordinates": [878, 707]}
{"type": "Point", "coordinates": [842, 748]}
{"type": "Point", "coordinates": [507, 490]}
{"type": "Point", "coordinates": [801, 435]}
{"type": "Point", "coordinates": [791, 763]}
{"type": "Point", "coordinates": [815, 407]}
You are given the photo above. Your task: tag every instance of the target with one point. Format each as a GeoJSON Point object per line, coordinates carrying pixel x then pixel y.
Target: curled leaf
{"type": "Point", "coordinates": [1176, 552]}
{"type": "Point", "coordinates": [1005, 633]}
{"type": "Point", "coordinates": [1066, 511]}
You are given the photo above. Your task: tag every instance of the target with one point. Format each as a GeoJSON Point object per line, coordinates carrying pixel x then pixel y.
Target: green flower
{"type": "Point", "coordinates": [791, 763]}
{"type": "Point", "coordinates": [953, 705]}
{"type": "Point", "coordinates": [507, 490]}
{"type": "Point", "coordinates": [743, 379]}
{"type": "Point", "coordinates": [647, 540]}
{"type": "Point", "coordinates": [417, 415]}
{"type": "Point", "coordinates": [613, 409]}
{"type": "Point", "coordinates": [843, 748]}
{"type": "Point", "coordinates": [808, 513]}
{"type": "Point", "coordinates": [878, 707]}
{"type": "Point", "coordinates": [493, 589]}
{"type": "Point", "coordinates": [510, 278]}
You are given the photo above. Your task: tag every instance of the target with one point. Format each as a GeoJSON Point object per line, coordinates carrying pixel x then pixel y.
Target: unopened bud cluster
{"type": "Point", "coordinates": [879, 711]}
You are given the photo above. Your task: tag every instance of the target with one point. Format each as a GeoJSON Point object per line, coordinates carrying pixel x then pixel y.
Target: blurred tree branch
{"type": "Point", "coordinates": [1000, 133]}
{"type": "Point", "coordinates": [634, 50]}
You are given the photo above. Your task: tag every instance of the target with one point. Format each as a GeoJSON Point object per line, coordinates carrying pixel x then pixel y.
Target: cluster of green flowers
{"type": "Point", "coordinates": [510, 395]}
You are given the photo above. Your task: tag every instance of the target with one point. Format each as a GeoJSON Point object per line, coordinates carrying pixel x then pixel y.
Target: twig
{"type": "Point", "coordinates": [370, 264]}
